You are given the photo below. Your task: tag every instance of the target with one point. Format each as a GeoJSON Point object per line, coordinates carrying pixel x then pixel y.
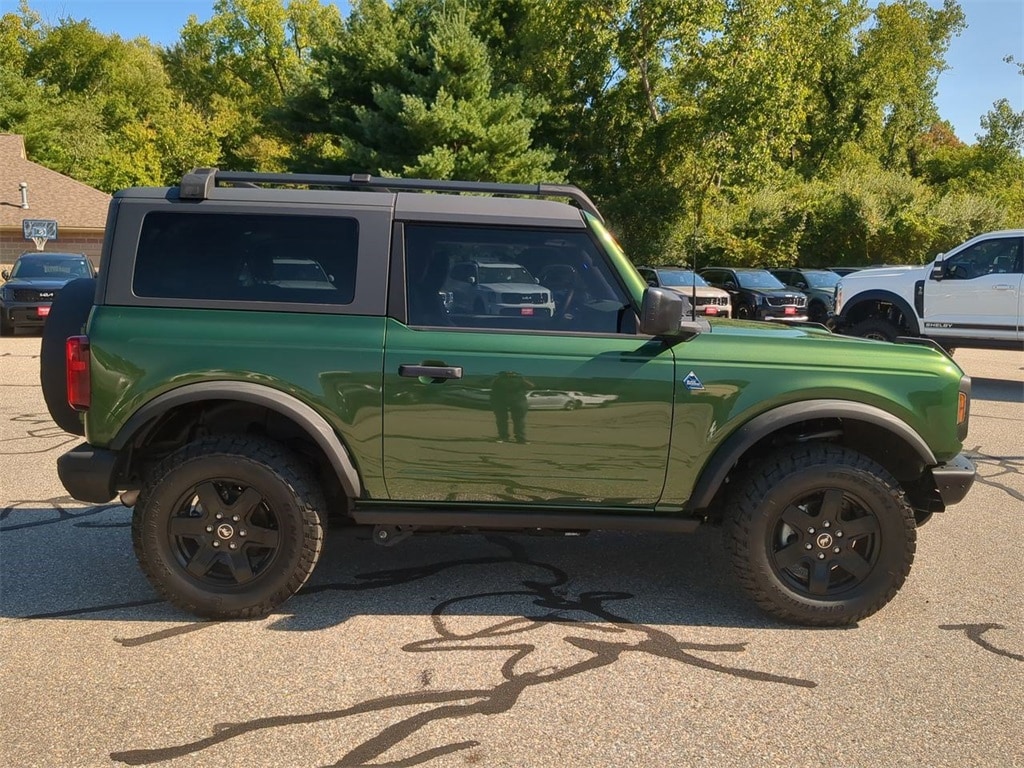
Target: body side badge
{"type": "Point", "coordinates": [692, 383]}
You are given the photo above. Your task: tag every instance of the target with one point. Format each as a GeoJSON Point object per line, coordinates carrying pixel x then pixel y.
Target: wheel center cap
{"type": "Point", "coordinates": [225, 531]}
{"type": "Point", "coordinates": [824, 540]}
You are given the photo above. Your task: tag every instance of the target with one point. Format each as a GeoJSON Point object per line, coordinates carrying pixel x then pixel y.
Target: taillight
{"type": "Point", "coordinates": [76, 356]}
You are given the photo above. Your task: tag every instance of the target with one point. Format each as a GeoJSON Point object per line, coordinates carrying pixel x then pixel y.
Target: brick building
{"type": "Point", "coordinates": [79, 210]}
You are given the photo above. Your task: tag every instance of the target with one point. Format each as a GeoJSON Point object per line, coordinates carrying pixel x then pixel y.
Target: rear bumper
{"type": "Point", "coordinates": [954, 479]}
{"type": "Point", "coordinates": [88, 473]}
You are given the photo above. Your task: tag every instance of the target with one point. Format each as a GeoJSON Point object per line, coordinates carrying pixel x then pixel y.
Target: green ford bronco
{"type": "Point", "coordinates": [263, 352]}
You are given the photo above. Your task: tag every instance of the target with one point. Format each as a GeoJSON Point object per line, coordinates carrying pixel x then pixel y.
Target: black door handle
{"type": "Point", "coordinates": [435, 372]}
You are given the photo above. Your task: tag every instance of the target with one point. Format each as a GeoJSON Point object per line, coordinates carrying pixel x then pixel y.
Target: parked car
{"type": "Point", "coordinates": [495, 288]}
{"type": "Point", "coordinates": [552, 400]}
{"type": "Point", "coordinates": [33, 282]}
{"type": "Point", "coordinates": [234, 425]}
{"type": "Point", "coordinates": [711, 301]}
{"type": "Point", "coordinates": [819, 285]}
{"type": "Point", "coordinates": [757, 294]}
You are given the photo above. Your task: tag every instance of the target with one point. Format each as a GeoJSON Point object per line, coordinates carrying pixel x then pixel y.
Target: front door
{"type": "Point", "coordinates": [979, 293]}
{"type": "Point", "coordinates": [527, 404]}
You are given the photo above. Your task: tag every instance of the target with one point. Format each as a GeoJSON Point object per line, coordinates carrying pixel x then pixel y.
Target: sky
{"type": "Point", "coordinates": [977, 75]}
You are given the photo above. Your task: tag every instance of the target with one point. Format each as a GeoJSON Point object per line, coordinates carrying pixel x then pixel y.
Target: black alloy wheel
{"type": "Point", "coordinates": [229, 527]}
{"type": "Point", "coordinates": [820, 534]}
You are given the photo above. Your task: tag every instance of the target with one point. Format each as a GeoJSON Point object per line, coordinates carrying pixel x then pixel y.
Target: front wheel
{"type": "Point", "coordinates": [874, 328]}
{"type": "Point", "coordinates": [743, 312]}
{"type": "Point", "coordinates": [820, 535]}
{"type": "Point", "coordinates": [229, 527]}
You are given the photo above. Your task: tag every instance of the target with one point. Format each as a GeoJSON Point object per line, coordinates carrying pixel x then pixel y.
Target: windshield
{"type": "Point", "coordinates": [509, 274]}
{"type": "Point", "coordinates": [821, 279]}
{"type": "Point", "coordinates": [758, 279]}
{"type": "Point", "coordinates": [56, 268]}
{"type": "Point", "coordinates": [672, 277]}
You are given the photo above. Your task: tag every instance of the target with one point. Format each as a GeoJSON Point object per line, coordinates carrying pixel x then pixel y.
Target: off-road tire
{"type": "Point", "coordinates": [271, 509]}
{"type": "Point", "coordinates": [824, 497]}
{"type": "Point", "coordinates": [875, 328]}
{"type": "Point", "coordinates": [743, 312]}
{"type": "Point", "coordinates": [6, 328]}
{"type": "Point", "coordinates": [68, 315]}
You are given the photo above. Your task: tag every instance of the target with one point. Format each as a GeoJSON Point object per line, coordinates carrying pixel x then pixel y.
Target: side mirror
{"type": "Point", "coordinates": [666, 313]}
{"type": "Point", "coordinates": [938, 269]}
{"type": "Point", "coordinates": [5, 274]}
{"type": "Point", "coordinates": [471, 280]}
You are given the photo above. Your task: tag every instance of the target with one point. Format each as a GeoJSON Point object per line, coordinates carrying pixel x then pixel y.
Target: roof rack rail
{"type": "Point", "coordinates": [197, 183]}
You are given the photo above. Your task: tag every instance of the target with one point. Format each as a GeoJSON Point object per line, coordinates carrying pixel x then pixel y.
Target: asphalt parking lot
{"type": "Point", "coordinates": [603, 650]}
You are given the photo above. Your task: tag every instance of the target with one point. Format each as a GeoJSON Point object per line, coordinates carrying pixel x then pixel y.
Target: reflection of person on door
{"type": "Point", "coordinates": [508, 399]}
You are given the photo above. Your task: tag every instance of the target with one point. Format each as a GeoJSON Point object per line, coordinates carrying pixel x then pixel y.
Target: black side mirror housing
{"type": "Point", "coordinates": [667, 313]}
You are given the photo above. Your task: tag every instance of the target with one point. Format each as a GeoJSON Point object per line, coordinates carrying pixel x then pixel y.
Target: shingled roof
{"type": "Point", "coordinates": [51, 195]}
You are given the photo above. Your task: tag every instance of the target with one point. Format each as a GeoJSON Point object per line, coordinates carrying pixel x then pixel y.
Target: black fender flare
{"type": "Point", "coordinates": [739, 442]}
{"type": "Point", "coordinates": [879, 295]}
{"type": "Point", "coordinates": [315, 425]}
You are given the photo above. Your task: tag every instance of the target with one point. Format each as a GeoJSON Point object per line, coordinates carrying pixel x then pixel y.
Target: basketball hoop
{"type": "Point", "coordinates": [39, 231]}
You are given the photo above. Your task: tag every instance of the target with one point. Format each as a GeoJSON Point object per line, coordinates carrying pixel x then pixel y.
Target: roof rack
{"type": "Point", "coordinates": [197, 183]}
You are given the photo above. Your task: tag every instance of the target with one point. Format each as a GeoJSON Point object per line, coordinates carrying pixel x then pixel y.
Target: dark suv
{"type": "Point", "coordinates": [237, 409]}
{"type": "Point", "coordinates": [757, 294]}
{"type": "Point", "coordinates": [32, 284]}
{"type": "Point", "coordinates": [819, 285]}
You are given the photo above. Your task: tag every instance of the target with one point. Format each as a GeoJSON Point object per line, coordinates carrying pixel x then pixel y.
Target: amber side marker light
{"type": "Point", "coordinates": [76, 355]}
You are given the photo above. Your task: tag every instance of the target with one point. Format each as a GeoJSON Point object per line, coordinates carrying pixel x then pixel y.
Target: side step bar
{"type": "Point", "coordinates": [490, 519]}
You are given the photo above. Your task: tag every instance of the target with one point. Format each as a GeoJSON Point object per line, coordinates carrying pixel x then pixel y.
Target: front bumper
{"type": "Point", "coordinates": [25, 314]}
{"type": "Point", "coordinates": [954, 479]}
{"type": "Point", "coordinates": [89, 473]}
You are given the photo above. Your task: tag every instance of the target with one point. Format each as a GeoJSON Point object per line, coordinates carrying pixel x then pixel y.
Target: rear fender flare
{"type": "Point", "coordinates": [743, 439]}
{"type": "Point", "coordinates": [315, 425]}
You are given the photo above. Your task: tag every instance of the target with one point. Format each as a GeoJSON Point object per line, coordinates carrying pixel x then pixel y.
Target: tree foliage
{"type": "Point", "coordinates": [764, 132]}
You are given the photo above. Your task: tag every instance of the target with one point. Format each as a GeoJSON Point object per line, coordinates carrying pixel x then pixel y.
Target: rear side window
{"type": "Point", "coordinates": [247, 257]}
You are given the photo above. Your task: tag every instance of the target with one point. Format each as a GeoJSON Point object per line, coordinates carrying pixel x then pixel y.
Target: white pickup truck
{"type": "Point", "coordinates": [972, 296]}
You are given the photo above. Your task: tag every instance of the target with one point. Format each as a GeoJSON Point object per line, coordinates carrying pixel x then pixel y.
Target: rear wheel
{"type": "Point", "coordinates": [6, 328]}
{"type": "Point", "coordinates": [229, 527]}
{"type": "Point", "coordinates": [820, 535]}
{"type": "Point", "coordinates": [875, 328]}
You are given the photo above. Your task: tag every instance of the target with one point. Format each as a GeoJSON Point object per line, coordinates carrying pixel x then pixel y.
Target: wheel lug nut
{"type": "Point", "coordinates": [209, 529]}
{"type": "Point", "coordinates": [808, 546]}
{"type": "Point", "coordinates": [232, 545]}
{"type": "Point", "coordinates": [216, 543]}
{"type": "Point", "coordinates": [821, 555]}
{"type": "Point", "coordinates": [827, 524]}
{"type": "Point", "coordinates": [839, 534]}
{"type": "Point", "coordinates": [235, 518]}
{"type": "Point", "coordinates": [810, 530]}
{"type": "Point", "coordinates": [243, 532]}
{"type": "Point", "coordinates": [836, 550]}
{"type": "Point", "coordinates": [219, 516]}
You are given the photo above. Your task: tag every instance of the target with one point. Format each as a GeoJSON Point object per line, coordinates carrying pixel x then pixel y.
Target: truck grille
{"type": "Point", "coordinates": [718, 301]}
{"type": "Point", "coordinates": [522, 298]}
{"type": "Point", "coordinates": [787, 301]}
{"type": "Point", "coordinates": [33, 294]}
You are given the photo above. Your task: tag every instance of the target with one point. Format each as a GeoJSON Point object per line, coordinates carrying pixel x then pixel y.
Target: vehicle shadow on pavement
{"type": "Point", "coordinates": [659, 579]}
{"type": "Point", "coordinates": [592, 623]}
{"type": "Point", "coordinates": [1000, 390]}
